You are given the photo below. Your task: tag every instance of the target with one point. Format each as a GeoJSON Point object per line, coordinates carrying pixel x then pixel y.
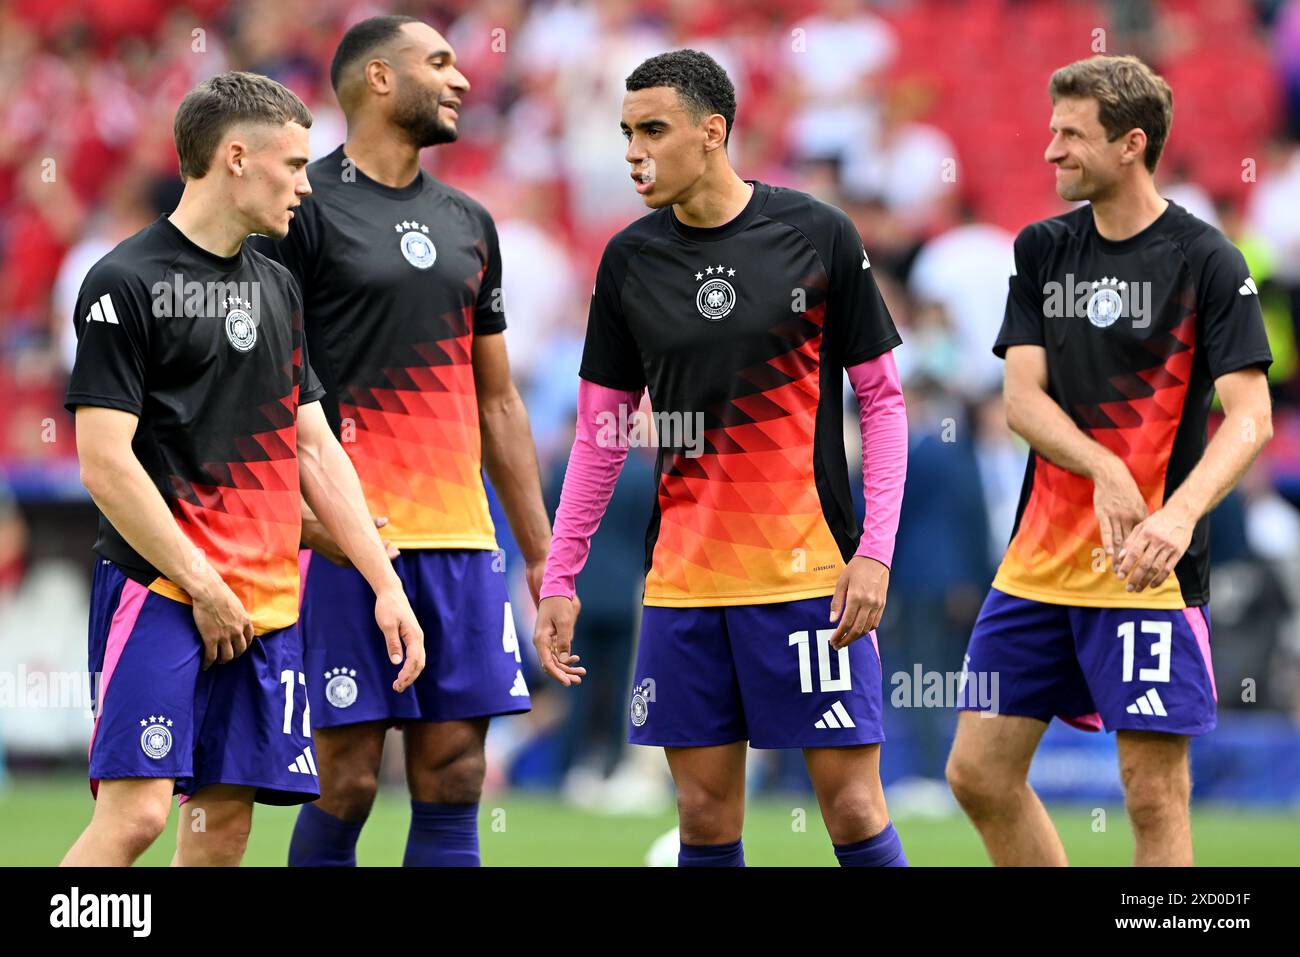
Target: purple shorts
{"type": "Point", "coordinates": [762, 673]}
{"type": "Point", "coordinates": [1133, 669]}
{"type": "Point", "coordinates": [472, 668]}
{"type": "Point", "coordinates": [158, 715]}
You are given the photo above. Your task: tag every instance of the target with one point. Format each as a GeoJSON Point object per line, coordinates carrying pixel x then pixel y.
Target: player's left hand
{"type": "Point", "coordinates": [1154, 547]}
{"type": "Point", "coordinates": [859, 600]}
{"type": "Point", "coordinates": [397, 621]}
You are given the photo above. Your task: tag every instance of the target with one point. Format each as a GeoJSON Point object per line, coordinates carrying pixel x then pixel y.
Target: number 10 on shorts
{"type": "Point", "coordinates": [828, 680]}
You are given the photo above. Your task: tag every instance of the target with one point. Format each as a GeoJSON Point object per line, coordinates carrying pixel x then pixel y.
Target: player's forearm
{"type": "Point", "coordinates": [123, 491]}
{"type": "Point", "coordinates": [510, 460]}
{"type": "Point", "coordinates": [883, 421]}
{"type": "Point", "coordinates": [331, 489]}
{"type": "Point", "coordinates": [1230, 453]}
{"type": "Point", "coordinates": [589, 480]}
{"type": "Point", "coordinates": [1034, 416]}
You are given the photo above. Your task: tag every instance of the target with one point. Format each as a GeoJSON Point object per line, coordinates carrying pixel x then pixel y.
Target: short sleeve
{"type": "Point", "coordinates": [489, 310]}
{"type": "Point", "coordinates": [309, 386]}
{"type": "Point", "coordinates": [1228, 312]}
{"type": "Point", "coordinates": [859, 326]}
{"type": "Point", "coordinates": [1022, 322]}
{"type": "Point", "coordinates": [610, 356]}
{"type": "Point", "coordinates": [112, 321]}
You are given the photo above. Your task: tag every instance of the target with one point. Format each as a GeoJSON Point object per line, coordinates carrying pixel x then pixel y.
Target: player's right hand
{"type": "Point", "coordinates": [397, 621]}
{"type": "Point", "coordinates": [224, 625]}
{"type": "Point", "coordinates": [1119, 506]}
{"type": "Point", "coordinates": [553, 637]}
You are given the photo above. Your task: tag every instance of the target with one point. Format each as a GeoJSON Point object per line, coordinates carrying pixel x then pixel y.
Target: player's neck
{"type": "Point", "coordinates": [714, 203]}
{"type": "Point", "coordinates": [206, 220]}
{"type": "Point", "coordinates": [382, 153]}
{"type": "Point", "coordinates": [1128, 212]}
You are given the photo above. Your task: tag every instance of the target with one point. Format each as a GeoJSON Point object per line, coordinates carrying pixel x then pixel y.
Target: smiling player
{"type": "Point", "coordinates": [1099, 611]}
{"type": "Point", "coordinates": [401, 281]}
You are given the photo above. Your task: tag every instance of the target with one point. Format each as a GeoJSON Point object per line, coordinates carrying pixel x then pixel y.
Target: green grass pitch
{"type": "Point", "coordinates": [40, 818]}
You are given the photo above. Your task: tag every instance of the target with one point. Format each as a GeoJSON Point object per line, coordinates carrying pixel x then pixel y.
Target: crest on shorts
{"type": "Point", "coordinates": [341, 687]}
{"type": "Point", "coordinates": [642, 695]}
{"type": "Point", "coordinates": [240, 328]}
{"type": "Point", "coordinates": [716, 297]}
{"type": "Point", "coordinates": [156, 738]}
{"type": "Point", "coordinates": [1105, 305]}
{"type": "Point", "coordinates": [415, 243]}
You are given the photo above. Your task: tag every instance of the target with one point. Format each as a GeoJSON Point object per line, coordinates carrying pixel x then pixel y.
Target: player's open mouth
{"type": "Point", "coordinates": [453, 106]}
{"type": "Point", "coordinates": [644, 182]}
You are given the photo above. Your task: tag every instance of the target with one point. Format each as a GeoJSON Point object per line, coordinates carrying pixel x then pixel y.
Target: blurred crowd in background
{"type": "Point", "coordinates": [926, 120]}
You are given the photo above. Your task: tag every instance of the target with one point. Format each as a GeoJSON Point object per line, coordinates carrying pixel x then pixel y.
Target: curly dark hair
{"type": "Point", "coordinates": [703, 87]}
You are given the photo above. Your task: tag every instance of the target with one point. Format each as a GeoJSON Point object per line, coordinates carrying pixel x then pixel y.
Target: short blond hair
{"type": "Point", "coordinates": [1129, 94]}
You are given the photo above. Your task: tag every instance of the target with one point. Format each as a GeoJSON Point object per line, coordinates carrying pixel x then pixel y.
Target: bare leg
{"type": "Point", "coordinates": [847, 783]}
{"type": "Point", "coordinates": [445, 763]}
{"type": "Point", "coordinates": [710, 792]}
{"type": "Point", "coordinates": [347, 759]}
{"type": "Point", "coordinates": [988, 771]}
{"type": "Point", "coordinates": [129, 815]}
{"type": "Point", "coordinates": [214, 827]}
{"type": "Point", "coordinates": [1156, 773]}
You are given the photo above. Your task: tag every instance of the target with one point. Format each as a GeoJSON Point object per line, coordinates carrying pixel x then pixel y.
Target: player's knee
{"type": "Point", "coordinates": [456, 778]}
{"type": "Point", "coordinates": [1155, 801]}
{"type": "Point", "coordinates": [707, 815]}
{"type": "Point", "coordinates": [140, 825]}
{"type": "Point", "coordinates": [977, 788]}
{"type": "Point", "coordinates": [349, 795]}
{"type": "Point", "coordinates": [224, 844]}
{"type": "Point", "coordinates": [853, 814]}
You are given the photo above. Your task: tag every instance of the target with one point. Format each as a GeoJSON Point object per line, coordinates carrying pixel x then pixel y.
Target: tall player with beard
{"type": "Point", "coordinates": [739, 305]}
{"type": "Point", "coordinates": [1099, 612]}
{"type": "Point", "coordinates": [401, 282]}
{"type": "Point", "coordinates": [197, 431]}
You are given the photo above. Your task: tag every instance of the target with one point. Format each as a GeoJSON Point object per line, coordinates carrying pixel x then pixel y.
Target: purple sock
{"type": "Point", "coordinates": [883, 850]}
{"type": "Point", "coordinates": [442, 835]}
{"type": "Point", "coordinates": [712, 855]}
{"type": "Point", "coordinates": [322, 840]}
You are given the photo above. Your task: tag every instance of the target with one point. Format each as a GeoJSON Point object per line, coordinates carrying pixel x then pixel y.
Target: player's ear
{"type": "Point", "coordinates": [715, 132]}
{"type": "Point", "coordinates": [1135, 141]}
{"type": "Point", "coordinates": [236, 156]}
{"type": "Point", "coordinates": [379, 76]}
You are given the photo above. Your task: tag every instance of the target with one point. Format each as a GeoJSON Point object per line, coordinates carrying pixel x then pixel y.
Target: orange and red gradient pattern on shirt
{"type": "Point", "coordinates": [1056, 555]}
{"type": "Point", "coordinates": [743, 522]}
{"type": "Point", "coordinates": [416, 447]}
{"type": "Point", "coordinates": [248, 524]}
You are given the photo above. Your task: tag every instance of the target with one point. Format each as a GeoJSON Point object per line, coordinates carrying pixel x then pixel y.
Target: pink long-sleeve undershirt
{"type": "Point", "coordinates": [594, 467]}
{"type": "Point", "coordinates": [883, 418]}
{"type": "Point", "coordinates": [589, 481]}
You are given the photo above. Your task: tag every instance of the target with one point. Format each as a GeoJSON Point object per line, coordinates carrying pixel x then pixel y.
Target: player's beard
{"type": "Point", "coordinates": [421, 124]}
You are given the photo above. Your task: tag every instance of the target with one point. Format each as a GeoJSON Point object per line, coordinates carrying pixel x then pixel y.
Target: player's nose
{"type": "Point", "coordinates": [458, 81]}
{"type": "Point", "coordinates": [1054, 152]}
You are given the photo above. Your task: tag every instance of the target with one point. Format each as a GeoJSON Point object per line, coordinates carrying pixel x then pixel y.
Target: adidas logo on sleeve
{"type": "Point", "coordinates": [103, 311]}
